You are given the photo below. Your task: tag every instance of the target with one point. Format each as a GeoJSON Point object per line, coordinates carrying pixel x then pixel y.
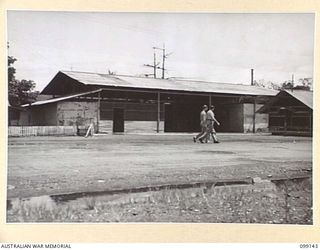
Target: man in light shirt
{"type": "Point", "coordinates": [203, 123]}
{"type": "Point", "coordinates": [210, 126]}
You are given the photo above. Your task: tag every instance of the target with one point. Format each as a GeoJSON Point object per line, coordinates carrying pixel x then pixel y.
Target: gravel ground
{"type": "Point", "coordinates": [42, 166]}
{"type": "Point", "coordinates": [53, 165]}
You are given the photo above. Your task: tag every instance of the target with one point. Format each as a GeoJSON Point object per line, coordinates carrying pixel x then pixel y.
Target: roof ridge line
{"type": "Point", "coordinates": [168, 79]}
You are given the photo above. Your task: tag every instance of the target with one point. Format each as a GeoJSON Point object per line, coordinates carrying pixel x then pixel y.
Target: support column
{"type": "Point", "coordinates": [310, 122]}
{"type": "Point", "coordinates": [210, 101]}
{"type": "Point", "coordinates": [98, 111]}
{"type": "Point", "coordinates": [285, 123]}
{"type": "Point", "coordinates": [158, 112]}
{"type": "Point", "coordinates": [254, 116]}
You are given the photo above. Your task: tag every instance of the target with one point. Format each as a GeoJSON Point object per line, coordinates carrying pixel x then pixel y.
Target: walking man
{"type": "Point", "coordinates": [203, 123]}
{"type": "Point", "coordinates": [210, 126]}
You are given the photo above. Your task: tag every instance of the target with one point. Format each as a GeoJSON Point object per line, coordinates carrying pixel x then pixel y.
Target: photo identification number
{"type": "Point", "coordinates": [305, 246]}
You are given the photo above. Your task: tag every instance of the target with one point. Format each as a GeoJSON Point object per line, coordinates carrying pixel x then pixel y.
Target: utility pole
{"type": "Point", "coordinates": [164, 57]}
{"type": "Point", "coordinates": [252, 77]}
{"type": "Point", "coordinates": [254, 107]}
{"type": "Point", "coordinates": [154, 66]}
{"type": "Point", "coordinates": [163, 60]}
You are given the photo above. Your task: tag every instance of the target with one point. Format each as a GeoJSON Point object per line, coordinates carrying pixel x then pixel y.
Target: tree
{"type": "Point", "coordinates": [19, 91]}
{"type": "Point", "coordinates": [306, 83]}
{"type": "Point", "coordinates": [11, 69]}
{"type": "Point", "coordinates": [287, 85]}
{"type": "Point", "coordinates": [303, 84]}
{"type": "Point", "coordinates": [267, 85]}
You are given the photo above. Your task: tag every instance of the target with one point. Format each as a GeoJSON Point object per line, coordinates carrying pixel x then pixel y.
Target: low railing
{"type": "Point", "coordinates": [21, 131]}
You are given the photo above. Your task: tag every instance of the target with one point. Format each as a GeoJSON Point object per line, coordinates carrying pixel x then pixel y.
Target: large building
{"type": "Point", "coordinates": [117, 103]}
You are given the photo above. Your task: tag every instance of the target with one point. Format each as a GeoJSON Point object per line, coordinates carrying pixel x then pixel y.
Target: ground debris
{"type": "Point", "coordinates": [138, 161]}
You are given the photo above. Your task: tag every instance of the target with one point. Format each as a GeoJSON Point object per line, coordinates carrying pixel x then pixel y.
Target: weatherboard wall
{"type": "Point", "coordinates": [106, 126]}
{"type": "Point", "coordinates": [138, 117]}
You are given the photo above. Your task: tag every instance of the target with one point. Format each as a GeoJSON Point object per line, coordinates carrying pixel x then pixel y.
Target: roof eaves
{"type": "Point", "coordinates": [302, 99]}
{"type": "Point", "coordinates": [57, 99]}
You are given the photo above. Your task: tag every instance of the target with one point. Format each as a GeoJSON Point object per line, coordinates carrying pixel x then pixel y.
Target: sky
{"type": "Point", "coordinates": [204, 46]}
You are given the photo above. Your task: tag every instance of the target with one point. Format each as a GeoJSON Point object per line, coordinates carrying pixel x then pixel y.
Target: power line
{"type": "Point", "coordinates": [164, 57]}
{"type": "Point", "coordinates": [155, 65]}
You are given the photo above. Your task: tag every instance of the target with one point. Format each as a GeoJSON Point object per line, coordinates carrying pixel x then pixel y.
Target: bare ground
{"type": "Point", "coordinates": [263, 202]}
{"type": "Point", "coordinates": [41, 166]}
{"type": "Point", "coordinates": [50, 165]}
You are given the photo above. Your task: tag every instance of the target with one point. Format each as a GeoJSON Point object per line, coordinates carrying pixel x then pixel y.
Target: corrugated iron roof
{"type": "Point", "coordinates": [58, 99]}
{"type": "Point", "coordinates": [167, 84]}
{"type": "Point", "coordinates": [304, 96]}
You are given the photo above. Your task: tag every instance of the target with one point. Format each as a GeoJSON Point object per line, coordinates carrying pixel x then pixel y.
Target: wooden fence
{"type": "Point", "coordinates": [18, 131]}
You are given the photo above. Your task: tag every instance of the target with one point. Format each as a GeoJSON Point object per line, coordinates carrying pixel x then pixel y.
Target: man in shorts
{"type": "Point", "coordinates": [203, 123]}
{"type": "Point", "coordinates": [210, 126]}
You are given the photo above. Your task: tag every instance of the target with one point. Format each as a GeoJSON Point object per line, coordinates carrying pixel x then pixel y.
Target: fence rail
{"type": "Point", "coordinates": [20, 131]}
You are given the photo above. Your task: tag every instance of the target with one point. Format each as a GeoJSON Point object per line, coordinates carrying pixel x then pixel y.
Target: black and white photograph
{"type": "Point", "coordinates": [159, 117]}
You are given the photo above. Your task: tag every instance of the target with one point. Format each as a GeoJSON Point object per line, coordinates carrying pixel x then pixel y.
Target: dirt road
{"type": "Point", "coordinates": [53, 165]}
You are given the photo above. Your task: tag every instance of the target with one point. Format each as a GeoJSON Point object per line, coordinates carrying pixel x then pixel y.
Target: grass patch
{"type": "Point", "coordinates": [263, 202]}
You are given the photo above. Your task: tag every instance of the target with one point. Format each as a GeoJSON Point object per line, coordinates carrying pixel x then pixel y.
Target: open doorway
{"type": "Point", "coordinates": [118, 120]}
